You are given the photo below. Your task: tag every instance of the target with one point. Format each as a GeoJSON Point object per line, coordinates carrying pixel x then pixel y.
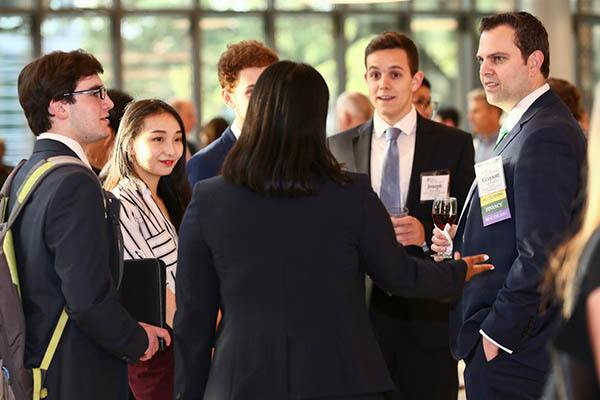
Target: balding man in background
{"type": "Point", "coordinates": [187, 112]}
{"type": "Point", "coordinates": [352, 109]}
{"type": "Point", "coordinates": [485, 122]}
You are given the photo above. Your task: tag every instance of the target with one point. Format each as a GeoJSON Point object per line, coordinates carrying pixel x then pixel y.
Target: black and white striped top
{"type": "Point", "coordinates": [147, 233]}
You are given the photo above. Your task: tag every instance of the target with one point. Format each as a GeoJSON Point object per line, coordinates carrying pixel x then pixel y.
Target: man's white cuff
{"type": "Point", "coordinates": [509, 351]}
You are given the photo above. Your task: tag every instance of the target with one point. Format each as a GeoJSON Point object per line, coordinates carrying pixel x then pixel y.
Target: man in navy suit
{"type": "Point", "coordinates": [239, 68]}
{"type": "Point", "coordinates": [66, 250]}
{"type": "Point", "coordinates": [499, 326]}
{"type": "Point", "coordinates": [412, 333]}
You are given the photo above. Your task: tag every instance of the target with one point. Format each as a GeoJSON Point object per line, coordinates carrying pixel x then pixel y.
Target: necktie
{"type": "Point", "coordinates": [501, 134]}
{"type": "Point", "coordinates": [389, 191]}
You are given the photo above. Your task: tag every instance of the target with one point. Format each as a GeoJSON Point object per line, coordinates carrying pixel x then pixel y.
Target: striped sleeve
{"type": "Point", "coordinates": [133, 239]}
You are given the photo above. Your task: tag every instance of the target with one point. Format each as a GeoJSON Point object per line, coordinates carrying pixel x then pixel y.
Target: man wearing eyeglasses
{"type": "Point", "coordinates": [412, 333]}
{"type": "Point", "coordinates": [66, 250]}
{"type": "Point", "coordinates": [422, 100]}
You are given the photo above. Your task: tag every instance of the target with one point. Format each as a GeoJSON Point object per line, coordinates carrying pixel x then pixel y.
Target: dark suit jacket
{"type": "Point", "coordinates": [542, 158]}
{"type": "Point", "coordinates": [66, 257]}
{"type": "Point", "coordinates": [437, 147]}
{"type": "Point", "coordinates": [208, 161]}
{"type": "Point", "coordinates": [288, 275]}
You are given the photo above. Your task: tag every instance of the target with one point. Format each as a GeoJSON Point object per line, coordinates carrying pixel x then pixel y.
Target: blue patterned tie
{"type": "Point", "coordinates": [389, 191]}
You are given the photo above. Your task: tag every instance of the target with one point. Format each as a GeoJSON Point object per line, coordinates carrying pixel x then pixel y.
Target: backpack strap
{"type": "Point", "coordinates": [31, 182]}
{"type": "Point", "coordinates": [40, 392]}
{"type": "Point", "coordinates": [111, 210]}
{"type": "Point", "coordinates": [35, 176]}
{"type": "Point", "coordinates": [5, 192]}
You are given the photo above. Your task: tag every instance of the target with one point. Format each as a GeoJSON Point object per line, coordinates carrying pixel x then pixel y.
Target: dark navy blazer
{"type": "Point", "coordinates": [207, 162]}
{"type": "Point", "coordinates": [288, 275]}
{"type": "Point", "coordinates": [542, 158]}
{"type": "Point", "coordinates": [67, 257]}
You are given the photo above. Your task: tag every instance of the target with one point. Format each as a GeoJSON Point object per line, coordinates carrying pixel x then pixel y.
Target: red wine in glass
{"type": "Point", "coordinates": [440, 220]}
{"type": "Point", "coordinates": [443, 212]}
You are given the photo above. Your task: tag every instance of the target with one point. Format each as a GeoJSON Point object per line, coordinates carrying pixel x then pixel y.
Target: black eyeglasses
{"type": "Point", "coordinates": [101, 91]}
{"type": "Point", "coordinates": [424, 103]}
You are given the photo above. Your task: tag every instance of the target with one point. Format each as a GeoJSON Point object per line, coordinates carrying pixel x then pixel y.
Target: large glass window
{"type": "Point", "coordinates": [495, 5]}
{"type": "Point", "coordinates": [157, 59]}
{"type": "Point", "coordinates": [160, 4]}
{"type": "Point", "coordinates": [359, 30]}
{"type": "Point", "coordinates": [303, 5]}
{"type": "Point", "coordinates": [17, 3]}
{"type": "Point", "coordinates": [388, 5]}
{"type": "Point", "coordinates": [90, 33]}
{"type": "Point", "coordinates": [437, 40]}
{"type": "Point", "coordinates": [13, 125]}
{"type": "Point", "coordinates": [428, 5]}
{"type": "Point", "coordinates": [58, 4]}
{"type": "Point", "coordinates": [161, 54]}
{"type": "Point", "coordinates": [234, 5]}
{"type": "Point", "coordinates": [315, 46]}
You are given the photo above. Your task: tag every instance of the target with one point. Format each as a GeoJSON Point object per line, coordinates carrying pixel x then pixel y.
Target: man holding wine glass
{"type": "Point", "coordinates": [517, 209]}
{"type": "Point", "coordinates": [444, 216]}
{"type": "Point", "coordinates": [410, 160]}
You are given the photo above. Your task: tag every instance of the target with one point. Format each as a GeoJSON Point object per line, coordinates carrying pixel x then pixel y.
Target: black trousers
{"type": "Point", "coordinates": [418, 373]}
{"type": "Point", "coordinates": [373, 396]}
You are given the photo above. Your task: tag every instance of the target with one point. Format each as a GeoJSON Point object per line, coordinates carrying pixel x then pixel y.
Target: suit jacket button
{"type": "Point", "coordinates": [179, 396]}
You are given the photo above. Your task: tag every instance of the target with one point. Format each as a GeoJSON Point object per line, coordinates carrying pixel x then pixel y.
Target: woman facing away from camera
{"type": "Point", "coordinates": [281, 242]}
{"type": "Point", "coordinates": [147, 174]}
{"type": "Point", "coordinates": [574, 277]}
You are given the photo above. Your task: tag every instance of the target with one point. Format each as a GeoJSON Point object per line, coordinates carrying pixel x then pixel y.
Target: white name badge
{"type": "Point", "coordinates": [490, 176]}
{"type": "Point", "coordinates": [433, 186]}
{"type": "Point", "coordinates": [492, 191]}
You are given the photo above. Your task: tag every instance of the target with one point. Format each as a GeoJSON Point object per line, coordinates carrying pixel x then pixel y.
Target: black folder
{"type": "Point", "coordinates": [143, 290]}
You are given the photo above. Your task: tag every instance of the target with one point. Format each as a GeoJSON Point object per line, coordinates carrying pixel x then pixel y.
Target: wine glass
{"type": "Point", "coordinates": [444, 215]}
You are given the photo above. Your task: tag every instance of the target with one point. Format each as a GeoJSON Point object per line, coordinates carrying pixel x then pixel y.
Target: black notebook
{"type": "Point", "coordinates": [143, 290]}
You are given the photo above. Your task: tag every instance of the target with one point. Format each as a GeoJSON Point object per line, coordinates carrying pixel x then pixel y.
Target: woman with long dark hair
{"type": "Point", "coordinates": [147, 174]}
{"type": "Point", "coordinates": [573, 278]}
{"type": "Point", "coordinates": [281, 243]}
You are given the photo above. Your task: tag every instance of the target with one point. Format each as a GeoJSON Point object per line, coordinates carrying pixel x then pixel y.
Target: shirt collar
{"type": "Point", "coordinates": [517, 112]}
{"type": "Point", "coordinates": [70, 143]}
{"type": "Point", "coordinates": [136, 184]}
{"type": "Point", "coordinates": [407, 124]}
{"type": "Point", "coordinates": [236, 130]}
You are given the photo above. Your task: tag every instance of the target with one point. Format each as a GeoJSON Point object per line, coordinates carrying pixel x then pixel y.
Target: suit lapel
{"type": "Point", "coordinates": [423, 145]}
{"type": "Point", "coordinates": [361, 145]}
{"type": "Point", "coordinates": [468, 200]}
{"type": "Point", "coordinates": [541, 102]}
{"type": "Point", "coordinates": [228, 139]}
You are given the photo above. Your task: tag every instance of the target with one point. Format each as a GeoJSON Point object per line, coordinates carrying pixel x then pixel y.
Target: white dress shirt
{"type": "Point", "coordinates": [237, 131]}
{"type": "Point", "coordinates": [517, 112]}
{"type": "Point", "coordinates": [406, 150]}
{"type": "Point", "coordinates": [511, 120]}
{"type": "Point", "coordinates": [147, 233]}
{"type": "Point", "coordinates": [70, 143]}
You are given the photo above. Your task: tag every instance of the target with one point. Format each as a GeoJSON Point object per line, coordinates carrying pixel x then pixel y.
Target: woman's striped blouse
{"type": "Point", "coordinates": [147, 233]}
